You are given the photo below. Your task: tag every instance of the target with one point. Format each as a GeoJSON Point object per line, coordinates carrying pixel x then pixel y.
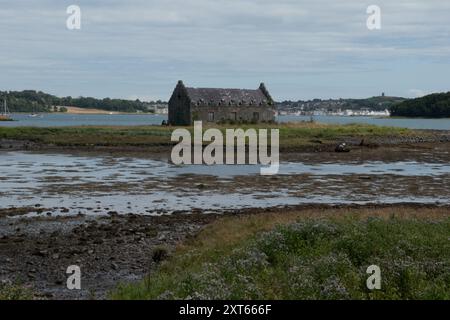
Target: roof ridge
{"type": "Point", "coordinates": [204, 88]}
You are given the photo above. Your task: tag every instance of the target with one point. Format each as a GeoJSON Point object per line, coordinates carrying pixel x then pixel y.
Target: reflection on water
{"type": "Point", "coordinates": [96, 185]}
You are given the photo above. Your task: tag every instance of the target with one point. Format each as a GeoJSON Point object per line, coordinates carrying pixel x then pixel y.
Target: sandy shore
{"type": "Point", "coordinates": [75, 110]}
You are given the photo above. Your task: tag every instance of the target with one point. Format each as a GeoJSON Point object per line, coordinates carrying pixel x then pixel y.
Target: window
{"type": "Point", "coordinates": [255, 116]}
{"type": "Point", "coordinates": [211, 116]}
{"type": "Point", "coordinates": [233, 116]}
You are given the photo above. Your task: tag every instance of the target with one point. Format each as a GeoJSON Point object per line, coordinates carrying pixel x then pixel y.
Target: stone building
{"type": "Point", "coordinates": [220, 105]}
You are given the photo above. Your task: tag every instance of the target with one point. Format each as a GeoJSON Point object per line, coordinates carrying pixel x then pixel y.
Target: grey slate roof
{"type": "Point", "coordinates": [205, 96]}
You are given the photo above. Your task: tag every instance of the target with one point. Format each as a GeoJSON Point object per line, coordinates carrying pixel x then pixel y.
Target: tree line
{"type": "Point", "coordinates": [431, 106]}
{"type": "Point", "coordinates": [38, 101]}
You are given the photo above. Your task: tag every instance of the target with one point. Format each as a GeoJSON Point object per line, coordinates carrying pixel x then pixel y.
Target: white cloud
{"type": "Point", "coordinates": [125, 47]}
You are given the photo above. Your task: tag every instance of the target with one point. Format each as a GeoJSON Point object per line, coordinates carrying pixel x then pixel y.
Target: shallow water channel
{"type": "Point", "coordinates": [71, 184]}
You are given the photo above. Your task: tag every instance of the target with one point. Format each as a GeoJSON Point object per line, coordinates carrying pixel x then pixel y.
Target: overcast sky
{"type": "Point", "coordinates": [300, 49]}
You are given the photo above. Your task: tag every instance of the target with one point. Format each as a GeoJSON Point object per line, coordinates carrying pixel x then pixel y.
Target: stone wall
{"type": "Point", "coordinates": [233, 113]}
{"type": "Point", "coordinates": [183, 111]}
{"type": "Point", "coordinates": [179, 107]}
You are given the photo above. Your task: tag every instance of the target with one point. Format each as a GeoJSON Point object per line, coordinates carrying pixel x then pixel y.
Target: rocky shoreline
{"type": "Point", "coordinates": [35, 252]}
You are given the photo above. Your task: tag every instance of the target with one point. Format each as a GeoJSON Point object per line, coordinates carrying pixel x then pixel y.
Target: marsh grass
{"type": "Point", "coordinates": [308, 255]}
{"type": "Point", "coordinates": [291, 134]}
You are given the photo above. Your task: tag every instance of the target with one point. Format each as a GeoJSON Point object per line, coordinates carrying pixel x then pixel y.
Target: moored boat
{"type": "Point", "coordinates": [5, 116]}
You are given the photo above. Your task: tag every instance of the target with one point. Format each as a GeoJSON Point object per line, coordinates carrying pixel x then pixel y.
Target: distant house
{"type": "Point", "coordinates": [220, 105]}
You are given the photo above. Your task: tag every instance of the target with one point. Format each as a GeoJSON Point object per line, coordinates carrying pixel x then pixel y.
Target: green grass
{"type": "Point", "coordinates": [15, 292]}
{"type": "Point", "coordinates": [89, 136]}
{"type": "Point", "coordinates": [308, 256]}
{"type": "Point", "coordinates": [291, 135]}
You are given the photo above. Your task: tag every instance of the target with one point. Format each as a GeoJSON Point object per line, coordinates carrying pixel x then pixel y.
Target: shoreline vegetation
{"type": "Point", "coordinates": [300, 252]}
{"type": "Point", "coordinates": [431, 106]}
{"type": "Point", "coordinates": [32, 101]}
{"type": "Point", "coordinates": [307, 254]}
{"type": "Point", "coordinates": [293, 136]}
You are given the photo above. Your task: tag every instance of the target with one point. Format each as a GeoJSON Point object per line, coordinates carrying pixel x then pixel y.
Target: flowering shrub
{"type": "Point", "coordinates": [317, 259]}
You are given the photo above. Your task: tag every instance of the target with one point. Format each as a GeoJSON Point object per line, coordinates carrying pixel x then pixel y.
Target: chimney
{"type": "Point", "coordinates": [264, 90]}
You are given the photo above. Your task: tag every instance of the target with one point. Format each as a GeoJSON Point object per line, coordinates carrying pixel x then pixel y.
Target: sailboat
{"type": "Point", "coordinates": [33, 114]}
{"type": "Point", "coordinates": [5, 115]}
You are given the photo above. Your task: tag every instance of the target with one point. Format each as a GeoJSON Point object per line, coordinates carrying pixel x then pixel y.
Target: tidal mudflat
{"type": "Point", "coordinates": [67, 184]}
{"type": "Point", "coordinates": [117, 214]}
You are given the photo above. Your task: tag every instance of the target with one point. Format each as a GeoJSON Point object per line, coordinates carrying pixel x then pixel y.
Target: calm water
{"type": "Point", "coordinates": [61, 120]}
{"type": "Point", "coordinates": [434, 124]}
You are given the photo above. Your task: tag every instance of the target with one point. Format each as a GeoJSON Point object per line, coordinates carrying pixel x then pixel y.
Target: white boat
{"type": "Point", "coordinates": [5, 115]}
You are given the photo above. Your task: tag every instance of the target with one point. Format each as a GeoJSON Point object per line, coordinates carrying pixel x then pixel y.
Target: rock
{"type": "Point", "coordinates": [162, 237]}
{"type": "Point", "coordinates": [6, 282]}
{"type": "Point", "coordinates": [40, 253]}
{"type": "Point", "coordinates": [114, 266]}
{"type": "Point", "coordinates": [342, 147]}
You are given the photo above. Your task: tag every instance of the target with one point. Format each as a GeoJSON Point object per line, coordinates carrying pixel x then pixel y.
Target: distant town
{"type": "Point", "coordinates": [374, 106]}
